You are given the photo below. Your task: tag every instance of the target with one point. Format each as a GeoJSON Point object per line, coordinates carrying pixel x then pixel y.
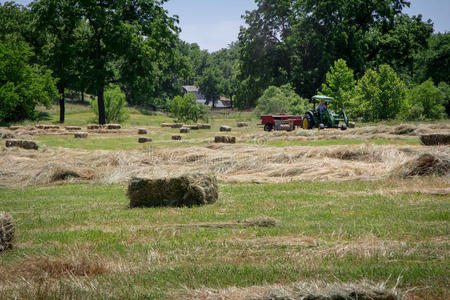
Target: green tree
{"type": "Point", "coordinates": [185, 108]}
{"type": "Point", "coordinates": [280, 100]}
{"type": "Point", "coordinates": [445, 90]}
{"type": "Point", "coordinates": [209, 84]}
{"type": "Point", "coordinates": [379, 95]}
{"type": "Point", "coordinates": [114, 105]}
{"type": "Point", "coordinates": [124, 40]}
{"type": "Point", "coordinates": [22, 86]}
{"type": "Point", "coordinates": [425, 101]}
{"type": "Point", "coordinates": [60, 19]}
{"type": "Point", "coordinates": [434, 62]}
{"type": "Point", "coordinates": [339, 84]}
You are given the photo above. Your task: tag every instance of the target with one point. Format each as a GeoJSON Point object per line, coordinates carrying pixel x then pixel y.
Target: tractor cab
{"type": "Point", "coordinates": [322, 117]}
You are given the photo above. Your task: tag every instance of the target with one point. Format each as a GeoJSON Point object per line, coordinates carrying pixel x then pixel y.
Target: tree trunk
{"type": "Point", "coordinates": [82, 96]}
{"type": "Point", "coordinates": [62, 106]}
{"type": "Point", "coordinates": [101, 106]}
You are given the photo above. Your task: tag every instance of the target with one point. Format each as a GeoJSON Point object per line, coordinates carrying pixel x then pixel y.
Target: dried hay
{"type": "Point", "coordinates": [225, 139]}
{"type": "Point", "coordinates": [142, 131]}
{"type": "Point", "coordinates": [172, 125]}
{"type": "Point", "coordinates": [73, 128]}
{"type": "Point", "coordinates": [113, 126]}
{"type": "Point", "coordinates": [94, 127]}
{"type": "Point", "coordinates": [81, 135]}
{"type": "Point", "coordinates": [6, 135]}
{"type": "Point", "coordinates": [351, 125]}
{"type": "Point", "coordinates": [427, 164]}
{"type": "Point", "coordinates": [185, 130]}
{"type": "Point", "coordinates": [176, 137]}
{"type": "Point", "coordinates": [242, 124]}
{"type": "Point", "coordinates": [225, 128]}
{"type": "Point", "coordinates": [435, 139]}
{"type": "Point", "coordinates": [63, 173]}
{"type": "Point", "coordinates": [364, 290]}
{"type": "Point", "coordinates": [143, 140]}
{"type": "Point", "coordinates": [204, 126]}
{"type": "Point", "coordinates": [260, 222]}
{"type": "Point", "coordinates": [22, 144]}
{"type": "Point", "coordinates": [186, 190]}
{"type": "Point", "coordinates": [192, 127]}
{"type": "Point", "coordinates": [6, 231]}
{"type": "Point", "coordinates": [14, 128]}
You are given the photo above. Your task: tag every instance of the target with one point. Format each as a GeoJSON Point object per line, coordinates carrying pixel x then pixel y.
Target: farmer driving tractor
{"type": "Point", "coordinates": [322, 107]}
{"type": "Point", "coordinates": [323, 117]}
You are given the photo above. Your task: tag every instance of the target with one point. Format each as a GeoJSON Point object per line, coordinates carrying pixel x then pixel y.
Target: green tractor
{"type": "Point", "coordinates": [322, 117]}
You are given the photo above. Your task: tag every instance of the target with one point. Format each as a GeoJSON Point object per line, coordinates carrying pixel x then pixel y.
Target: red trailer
{"type": "Point", "coordinates": [281, 122]}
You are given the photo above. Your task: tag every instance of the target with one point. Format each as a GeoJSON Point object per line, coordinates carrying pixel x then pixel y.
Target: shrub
{"type": "Point", "coordinates": [379, 95]}
{"type": "Point", "coordinates": [185, 108]}
{"type": "Point", "coordinates": [281, 100]}
{"type": "Point", "coordinates": [425, 101]}
{"type": "Point", "coordinates": [114, 105]}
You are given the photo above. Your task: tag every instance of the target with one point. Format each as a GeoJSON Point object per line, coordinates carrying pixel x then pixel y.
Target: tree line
{"type": "Point", "coordinates": [338, 47]}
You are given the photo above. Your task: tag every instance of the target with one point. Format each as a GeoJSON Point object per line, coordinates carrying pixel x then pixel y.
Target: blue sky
{"type": "Point", "coordinates": [214, 24]}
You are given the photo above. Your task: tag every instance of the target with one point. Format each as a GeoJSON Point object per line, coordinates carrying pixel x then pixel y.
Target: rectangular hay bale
{"type": "Point", "coordinates": [225, 128]}
{"type": "Point", "coordinates": [225, 139]}
{"type": "Point", "coordinates": [81, 135]}
{"type": "Point", "coordinates": [113, 126]}
{"type": "Point", "coordinates": [435, 139]}
{"type": "Point", "coordinates": [185, 190]}
{"type": "Point", "coordinates": [144, 140]}
{"type": "Point", "coordinates": [22, 144]}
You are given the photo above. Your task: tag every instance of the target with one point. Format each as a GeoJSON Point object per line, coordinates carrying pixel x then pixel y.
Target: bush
{"type": "Point", "coordinates": [186, 108]}
{"type": "Point", "coordinates": [425, 101]}
{"type": "Point", "coordinates": [22, 86]}
{"type": "Point", "coordinates": [114, 105]}
{"type": "Point", "coordinates": [281, 100]}
{"type": "Point", "coordinates": [445, 90]}
{"type": "Point", "coordinates": [379, 95]}
{"type": "Point", "coordinates": [339, 84]}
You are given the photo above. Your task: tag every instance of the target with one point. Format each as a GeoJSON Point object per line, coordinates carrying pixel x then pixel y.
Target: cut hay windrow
{"type": "Point", "coordinates": [6, 231]}
{"type": "Point", "coordinates": [186, 190]}
{"type": "Point", "coordinates": [427, 164]}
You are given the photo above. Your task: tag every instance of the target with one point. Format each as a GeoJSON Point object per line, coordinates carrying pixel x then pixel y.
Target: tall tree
{"type": "Point", "coordinates": [60, 20]}
{"type": "Point", "coordinates": [121, 34]}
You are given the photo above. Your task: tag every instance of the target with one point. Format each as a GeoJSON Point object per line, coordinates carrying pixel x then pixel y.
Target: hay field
{"type": "Point", "coordinates": [343, 215]}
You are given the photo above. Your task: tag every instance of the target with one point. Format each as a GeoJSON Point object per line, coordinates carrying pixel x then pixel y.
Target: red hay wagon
{"type": "Point", "coordinates": [281, 122]}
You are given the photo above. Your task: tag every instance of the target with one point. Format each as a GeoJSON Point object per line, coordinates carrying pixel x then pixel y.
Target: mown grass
{"type": "Point", "coordinates": [344, 231]}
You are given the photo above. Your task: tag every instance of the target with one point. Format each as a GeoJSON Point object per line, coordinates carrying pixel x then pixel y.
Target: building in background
{"type": "Point", "coordinates": [221, 103]}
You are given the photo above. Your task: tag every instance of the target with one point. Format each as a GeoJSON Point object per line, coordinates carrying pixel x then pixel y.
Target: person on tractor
{"type": "Point", "coordinates": [322, 107]}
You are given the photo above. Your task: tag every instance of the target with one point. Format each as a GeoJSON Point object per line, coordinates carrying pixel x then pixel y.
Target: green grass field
{"type": "Point", "coordinates": [79, 240]}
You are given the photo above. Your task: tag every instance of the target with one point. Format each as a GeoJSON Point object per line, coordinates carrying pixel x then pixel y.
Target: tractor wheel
{"type": "Point", "coordinates": [307, 122]}
{"type": "Point", "coordinates": [343, 127]}
{"type": "Point", "coordinates": [321, 126]}
{"type": "Point", "coordinates": [268, 127]}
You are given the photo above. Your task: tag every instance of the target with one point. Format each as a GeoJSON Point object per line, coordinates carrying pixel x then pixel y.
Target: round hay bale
{"type": "Point", "coordinates": [242, 124]}
{"type": "Point", "coordinates": [142, 131]}
{"type": "Point", "coordinates": [176, 137]}
{"type": "Point", "coordinates": [435, 139]}
{"type": "Point", "coordinates": [185, 130]}
{"type": "Point", "coordinates": [113, 126]}
{"type": "Point", "coordinates": [144, 140]}
{"type": "Point", "coordinates": [186, 190]}
{"type": "Point", "coordinates": [204, 126]}
{"type": "Point", "coordinates": [29, 145]}
{"type": "Point", "coordinates": [81, 135]}
{"type": "Point", "coordinates": [425, 165]}
{"type": "Point", "coordinates": [225, 128]}
{"type": "Point", "coordinates": [6, 231]}
{"type": "Point", "coordinates": [225, 139]}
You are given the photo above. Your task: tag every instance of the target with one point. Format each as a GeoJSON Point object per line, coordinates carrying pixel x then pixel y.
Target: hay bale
{"type": "Point", "coordinates": [185, 130]}
{"type": "Point", "coordinates": [225, 128]}
{"type": "Point", "coordinates": [242, 124]}
{"type": "Point", "coordinates": [286, 127]}
{"type": "Point", "coordinates": [425, 165]}
{"type": "Point", "coordinates": [142, 131]}
{"type": "Point", "coordinates": [50, 127]}
{"type": "Point", "coordinates": [204, 126]}
{"type": "Point", "coordinates": [113, 126]}
{"type": "Point", "coordinates": [14, 128]}
{"type": "Point", "coordinates": [435, 139]}
{"type": "Point", "coordinates": [73, 128]}
{"type": "Point", "coordinates": [404, 129]}
{"type": "Point", "coordinates": [191, 127]}
{"type": "Point", "coordinates": [186, 190]}
{"type": "Point", "coordinates": [225, 139]}
{"type": "Point", "coordinates": [176, 125]}
{"type": "Point", "coordinates": [94, 127]}
{"type": "Point", "coordinates": [6, 231]}
{"type": "Point", "coordinates": [62, 173]}
{"type": "Point", "coordinates": [6, 135]}
{"type": "Point", "coordinates": [144, 140]}
{"type": "Point", "coordinates": [166, 125]}
{"type": "Point", "coordinates": [351, 125]}
{"type": "Point", "coordinates": [39, 126]}
{"type": "Point", "coordinates": [81, 135]}
{"type": "Point", "coordinates": [22, 144]}
{"type": "Point", "coordinates": [176, 137]}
